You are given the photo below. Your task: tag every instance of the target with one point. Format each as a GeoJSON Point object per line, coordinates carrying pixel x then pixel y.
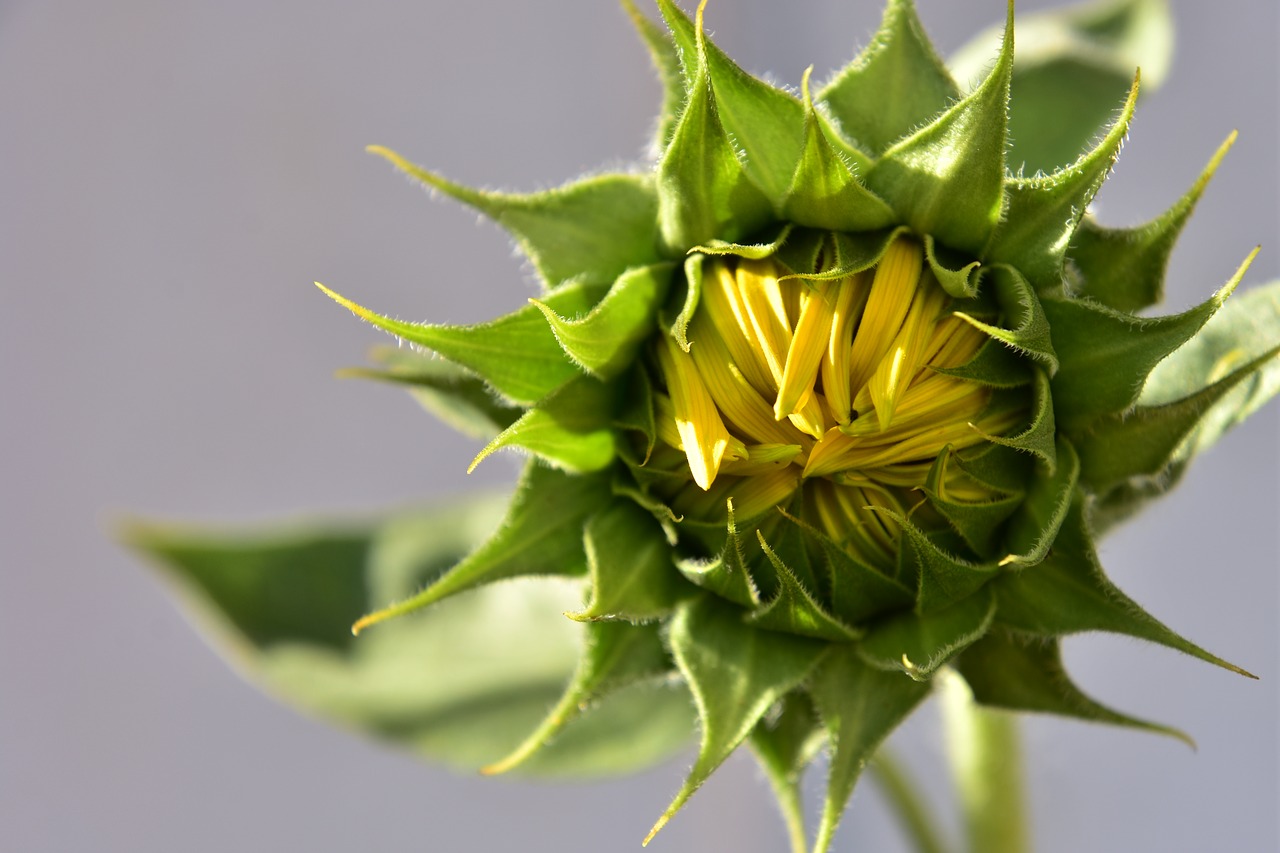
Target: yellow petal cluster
{"type": "Point", "coordinates": [830, 386]}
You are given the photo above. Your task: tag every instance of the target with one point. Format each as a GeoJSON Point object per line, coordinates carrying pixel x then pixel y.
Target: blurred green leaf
{"type": "Point", "coordinates": [1072, 69]}
{"type": "Point", "coordinates": [541, 534]}
{"type": "Point", "coordinates": [615, 656]}
{"type": "Point", "coordinates": [784, 745]}
{"type": "Point", "coordinates": [456, 396]}
{"type": "Point", "coordinates": [1247, 327]}
{"type": "Point", "coordinates": [666, 61]}
{"type": "Point", "coordinates": [462, 687]}
{"type": "Point", "coordinates": [1106, 356]}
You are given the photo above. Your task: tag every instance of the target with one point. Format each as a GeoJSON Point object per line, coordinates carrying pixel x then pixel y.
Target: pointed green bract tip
{"type": "Point", "coordinates": [359, 310]}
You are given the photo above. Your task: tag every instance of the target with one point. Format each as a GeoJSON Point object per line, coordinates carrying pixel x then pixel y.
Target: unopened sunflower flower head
{"type": "Point", "coordinates": [829, 399]}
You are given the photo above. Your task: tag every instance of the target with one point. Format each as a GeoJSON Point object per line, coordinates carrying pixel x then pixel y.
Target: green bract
{"type": "Point", "coordinates": [822, 255]}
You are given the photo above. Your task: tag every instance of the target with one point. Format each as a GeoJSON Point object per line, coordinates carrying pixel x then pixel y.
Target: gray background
{"type": "Point", "coordinates": [173, 175]}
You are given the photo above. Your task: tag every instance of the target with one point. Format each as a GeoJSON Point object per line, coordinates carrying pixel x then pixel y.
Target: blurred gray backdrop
{"type": "Point", "coordinates": [173, 175]}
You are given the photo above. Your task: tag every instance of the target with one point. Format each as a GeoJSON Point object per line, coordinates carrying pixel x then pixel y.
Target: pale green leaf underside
{"type": "Point", "coordinates": [540, 535]}
{"type": "Point", "coordinates": [281, 602]}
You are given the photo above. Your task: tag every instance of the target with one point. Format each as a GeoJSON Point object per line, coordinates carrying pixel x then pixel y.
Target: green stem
{"type": "Point", "coordinates": [906, 802]}
{"type": "Point", "coordinates": [986, 762]}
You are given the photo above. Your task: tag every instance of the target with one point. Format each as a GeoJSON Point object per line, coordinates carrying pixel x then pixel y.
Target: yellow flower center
{"type": "Point", "coordinates": [827, 386]}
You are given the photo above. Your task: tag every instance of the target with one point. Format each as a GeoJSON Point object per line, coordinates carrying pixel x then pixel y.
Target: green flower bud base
{"type": "Point", "coordinates": [825, 406]}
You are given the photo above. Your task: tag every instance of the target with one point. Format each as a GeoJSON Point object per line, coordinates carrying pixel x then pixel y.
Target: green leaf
{"type": "Point", "coordinates": [614, 656]}
{"type": "Point", "coordinates": [918, 644]}
{"type": "Point", "coordinates": [604, 341]}
{"type": "Point", "coordinates": [978, 522]}
{"type": "Point", "coordinates": [1003, 469]}
{"type": "Point", "coordinates": [942, 579]}
{"type": "Point", "coordinates": [540, 535]}
{"type": "Point", "coordinates": [1072, 65]}
{"type": "Point", "coordinates": [282, 602]}
{"type": "Point", "coordinates": [824, 192]}
{"type": "Point", "coordinates": [1019, 303]}
{"type": "Point", "coordinates": [1123, 268]}
{"type": "Point", "coordinates": [704, 192]}
{"type": "Point", "coordinates": [636, 412]}
{"type": "Point", "coordinates": [1246, 328]}
{"type": "Point", "coordinates": [957, 277]}
{"type": "Point", "coordinates": [848, 253]}
{"type": "Point", "coordinates": [1027, 674]}
{"type": "Point", "coordinates": [1043, 212]}
{"type": "Point", "coordinates": [751, 251]}
{"type": "Point", "coordinates": [1068, 593]}
{"type": "Point", "coordinates": [633, 574]}
{"type": "Point", "coordinates": [678, 326]}
{"type": "Point", "coordinates": [666, 61]}
{"type": "Point", "coordinates": [1241, 330]}
{"type": "Point", "coordinates": [784, 745]}
{"type": "Point", "coordinates": [517, 354]}
{"type": "Point", "coordinates": [1106, 356]}
{"type": "Point", "coordinates": [894, 86]}
{"type": "Point", "coordinates": [996, 365]}
{"type": "Point", "coordinates": [451, 393]}
{"type": "Point", "coordinates": [1039, 436]}
{"type": "Point", "coordinates": [794, 610]}
{"type": "Point", "coordinates": [726, 574]}
{"type": "Point", "coordinates": [736, 674]}
{"type": "Point", "coordinates": [571, 429]}
{"type": "Point", "coordinates": [301, 585]}
{"type": "Point", "coordinates": [860, 705]}
{"type": "Point", "coordinates": [1146, 441]}
{"type": "Point", "coordinates": [1034, 526]}
{"type": "Point", "coordinates": [858, 591]}
{"type": "Point", "coordinates": [765, 121]}
{"type": "Point", "coordinates": [560, 230]}
{"type": "Point", "coordinates": [947, 178]}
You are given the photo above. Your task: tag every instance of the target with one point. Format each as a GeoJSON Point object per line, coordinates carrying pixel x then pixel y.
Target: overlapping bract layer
{"type": "Point", "coordinates": [750, 511]}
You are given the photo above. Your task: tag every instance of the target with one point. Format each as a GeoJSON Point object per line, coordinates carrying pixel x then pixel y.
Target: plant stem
{"type": "Point", "coordinates": [986, 762]}
{"type": "Point", "coordinates": [906, 802]}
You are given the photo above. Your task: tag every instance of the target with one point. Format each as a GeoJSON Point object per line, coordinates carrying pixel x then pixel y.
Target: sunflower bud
{"type": "Point", "coordinates": [826, 401]}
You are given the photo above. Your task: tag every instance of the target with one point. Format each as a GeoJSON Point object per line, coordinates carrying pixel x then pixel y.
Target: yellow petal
{"type": "Point", "coordinates": [809, 344]}
{"type": "Point", "coordinates": [762, 296]}
{"type": "Point", "coordinates": [702, 432]}
{"type": "Point", "coordinates": [900, 365]}
{"type": "Point", "coordinates": [722, 305]}
{"type": "Point", "coordinates": [851, 298]}
{"type": "Point", "coordinates": [737, 400]}
{"type": "Point", "coordinates": [894, 287]}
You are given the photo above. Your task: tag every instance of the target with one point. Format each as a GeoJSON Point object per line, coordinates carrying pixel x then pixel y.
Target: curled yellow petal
{"type": "Point", "coordinates": [702, 432]}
